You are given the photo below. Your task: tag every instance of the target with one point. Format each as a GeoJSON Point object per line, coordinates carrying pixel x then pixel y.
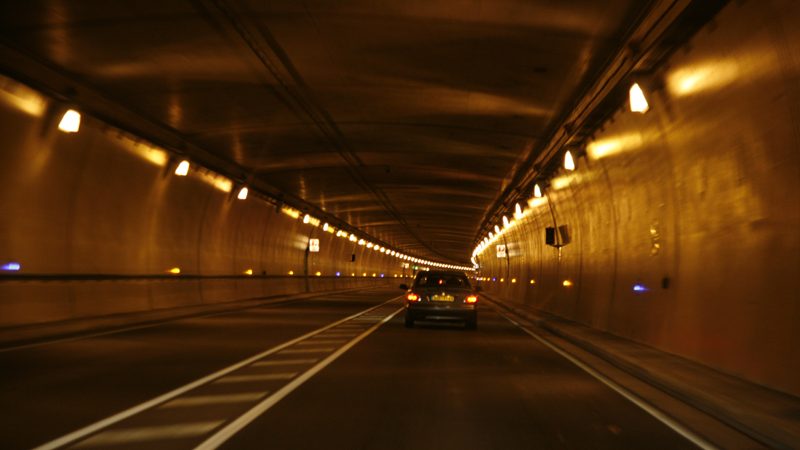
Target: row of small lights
{"type": "Point", "coordinates": [638, 104]}
{"type": "Point", "coordinates": [637, 288]}
{"type": "Point", "coordinates": [71, 123]}
{"type": "Point", "coordinates": [532, 282]}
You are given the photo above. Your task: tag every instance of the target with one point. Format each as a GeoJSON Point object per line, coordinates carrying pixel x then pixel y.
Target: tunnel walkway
{"type": "Point", "coordinates": [335, 371]}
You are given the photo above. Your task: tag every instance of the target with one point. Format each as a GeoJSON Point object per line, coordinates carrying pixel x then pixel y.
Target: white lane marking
{"type": "Point", "coordinates": [107, 422]}
{"type": "Point", "coordinates": [256, 377]}
{"type": "Point", "coordinates": [284, 362]}
{"type": "Point", "coordinates": [630, 396]}
{"type": "Point", "coordinates": [322, 342]}
{"type": "Point", "coordinates": [201, 400]}
{"type": "Point", "coordinates": [336, 335]}
{"type": "Point", "coordinates": [145, 434]}
{"type": "Point", "coordinates": [308, 350]}
{"type": "Point", "coordinates": [242, 421]}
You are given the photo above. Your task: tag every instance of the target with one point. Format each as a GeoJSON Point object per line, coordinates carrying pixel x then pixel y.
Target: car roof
{"type": "Point", "coordinates": [442, 273]}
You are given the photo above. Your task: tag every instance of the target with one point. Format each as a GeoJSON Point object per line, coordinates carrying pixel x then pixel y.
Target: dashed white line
{"type": "Point", "coordinates": [109, 421]}
{"type": "Point", "coordinates": [256, 377]}
{"type": "Point", "coordinates": [322, 342]}
{"type": "Point", "coordinates": [202, 400]}
{"type": "Point", "coordinates": [284, 362]}
{"type": "Point", "coordinates": [308, 350]}
{"type": "Point", "coordinates": [145, 434]}
{"type": "Point", "coordinates": [233, 427]}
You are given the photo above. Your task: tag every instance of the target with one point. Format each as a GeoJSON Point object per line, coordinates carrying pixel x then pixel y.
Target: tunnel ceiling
{"type": "Point", "coordinates": [405, 118]}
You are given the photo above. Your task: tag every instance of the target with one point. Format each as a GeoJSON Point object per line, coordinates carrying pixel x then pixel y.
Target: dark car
{"type": "Point", "coordinates": [441, 295]}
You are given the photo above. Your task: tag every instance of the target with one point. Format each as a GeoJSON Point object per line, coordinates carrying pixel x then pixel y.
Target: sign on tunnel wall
{"type": "Point", "coordinates": [501, 251]}
{"type": "Point", "coordinates": [313, 245]}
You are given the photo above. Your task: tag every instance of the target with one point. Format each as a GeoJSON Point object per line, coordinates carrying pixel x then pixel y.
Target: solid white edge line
{"type": "Point", "coordinates": [245, 419]}
{"type": "Point", "coordinates": [659, 415]}
{"type": "Point", "coordinates": [104, 423]}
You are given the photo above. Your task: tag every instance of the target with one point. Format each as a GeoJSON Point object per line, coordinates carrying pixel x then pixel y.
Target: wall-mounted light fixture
{"type": "Point", "coordinates": [70, 121]}
{"type": "Point", "coordinates": [569, 162]}
{"type": "Point", "coordinates": [183, 168]}
{"type": "Point", "coordinates": [242, 193]}
{"type": "Point", "coordinates": [638, 102]}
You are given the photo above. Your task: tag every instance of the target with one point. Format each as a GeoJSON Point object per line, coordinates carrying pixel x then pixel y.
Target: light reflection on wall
{"type": "Point", "coordinates": [707, 76]}
{"type": "Point", "coordinates": [537, 202]}
{"type": "Point", "coordinates": [215, 180]}
{"type": "Point", "coordinates": [147, 152]}
{"type": "Point", "coordinates": [563, 181]}
{"type": "Point", "coordinates": [22, 97]}
{"type": "Point", "coordinates": [603, 148]}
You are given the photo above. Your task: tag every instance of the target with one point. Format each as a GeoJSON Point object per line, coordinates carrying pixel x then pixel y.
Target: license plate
{"type": "Point", "coordinates": [442, 298]}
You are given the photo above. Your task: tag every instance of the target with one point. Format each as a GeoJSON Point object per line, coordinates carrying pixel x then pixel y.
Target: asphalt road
{"type": "Point", "coordinates": [323, 373]}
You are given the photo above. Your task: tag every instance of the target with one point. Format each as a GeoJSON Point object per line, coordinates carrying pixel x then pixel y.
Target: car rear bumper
{"type": "Point", "coordinates": [427, 311]}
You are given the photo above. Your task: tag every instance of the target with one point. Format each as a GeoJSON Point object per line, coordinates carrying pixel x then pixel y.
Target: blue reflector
{"type": "Point", "coordinates": [640, 288]}
{"type": "Point", "coordinates": [381, 275]}
{"type": "Point", "coordinates": [338, 274]}
{"type": "Point", "coordinates": [12, 266]}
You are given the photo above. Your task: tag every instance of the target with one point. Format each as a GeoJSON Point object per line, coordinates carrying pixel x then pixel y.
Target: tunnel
{"type": "Point", "coordinates": [218, 219]}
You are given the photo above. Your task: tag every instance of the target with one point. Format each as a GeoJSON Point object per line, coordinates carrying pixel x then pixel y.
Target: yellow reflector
{"type": "Point", "coordinates": [318, 273]}
{"type": "Point", "coordinates": [175, 270]}
{"type": "Point", "coordinates": [567, 283]}
{"type": "Point", "coordinates": [248, 272]}
{"type": "Point", "coordinates": [291, 272]}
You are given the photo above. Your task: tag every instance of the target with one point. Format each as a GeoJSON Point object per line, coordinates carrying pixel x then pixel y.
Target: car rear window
{"type": "Point", "coordinates": [444, 280]}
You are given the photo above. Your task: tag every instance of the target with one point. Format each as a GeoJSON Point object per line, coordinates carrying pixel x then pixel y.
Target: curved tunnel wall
{"type": "Point", "coordinates": [97, 219]}
{"type": "Point", "coordinates": [697, 201]}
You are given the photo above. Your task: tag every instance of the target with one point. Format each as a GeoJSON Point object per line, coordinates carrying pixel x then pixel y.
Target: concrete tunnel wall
{"type": "Point", "coordinates": [91, 208]}
{"type": "Point", "coordinates": [702, 194]}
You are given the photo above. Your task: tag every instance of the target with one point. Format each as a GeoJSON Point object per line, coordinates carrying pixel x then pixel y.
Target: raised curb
{"type": "Point", "coordinates": [765, 415]}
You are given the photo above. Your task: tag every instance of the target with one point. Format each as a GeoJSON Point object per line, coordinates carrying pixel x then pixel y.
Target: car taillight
{"type": "Point", "coordinates": [471, 299]}
{"type": "Point", "coordinates": [412, 297]}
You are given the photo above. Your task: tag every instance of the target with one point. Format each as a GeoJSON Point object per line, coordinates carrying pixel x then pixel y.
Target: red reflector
{"type": "Point", "coordinates": [472, 299]}
{"type": "Point", "coordinates": [412, 297]}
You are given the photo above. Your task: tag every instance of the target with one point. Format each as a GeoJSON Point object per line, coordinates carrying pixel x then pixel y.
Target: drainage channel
{"type": "Point", "coordinates": [207, 412]}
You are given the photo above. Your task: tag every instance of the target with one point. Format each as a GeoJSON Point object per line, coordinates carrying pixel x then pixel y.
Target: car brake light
{"type": "Point", "coordinates": [412, 297]}
{"type": "Point", "coordinates": [471, 299]}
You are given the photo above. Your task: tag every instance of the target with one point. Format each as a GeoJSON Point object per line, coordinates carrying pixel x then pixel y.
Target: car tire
{"type": "Point", "coordinates": [409, 322]}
